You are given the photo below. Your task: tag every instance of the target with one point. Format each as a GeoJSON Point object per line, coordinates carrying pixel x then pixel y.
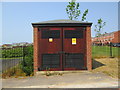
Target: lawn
{"type": "Point", "coordinates": [104, 51]}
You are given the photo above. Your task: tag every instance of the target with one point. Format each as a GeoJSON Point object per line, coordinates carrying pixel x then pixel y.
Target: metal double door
{"type": "Point", "coordinates": [62, 48]}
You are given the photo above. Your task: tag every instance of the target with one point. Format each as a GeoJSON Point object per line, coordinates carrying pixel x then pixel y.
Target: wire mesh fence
{"type": "Point", "coordinates": [12, 59]}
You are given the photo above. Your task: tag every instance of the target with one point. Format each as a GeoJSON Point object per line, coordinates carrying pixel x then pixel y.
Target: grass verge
{"type": "Point", "coordinates": [15, 72]}
{"type": "Point", "coordinates": [108, 66]}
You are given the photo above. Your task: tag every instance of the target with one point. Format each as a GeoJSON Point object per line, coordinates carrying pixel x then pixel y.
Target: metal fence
{"type": "Point", "coordinates": [11, 58]}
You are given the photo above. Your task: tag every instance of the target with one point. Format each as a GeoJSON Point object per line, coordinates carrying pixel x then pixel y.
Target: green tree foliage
{"type": "Point", "coordinates": [84, 15]}
{"type": "Point", "coordinates": [74, 12]}
{"type": "Point", "coordinates": [27, 63]}
{"type": "Point", "coordinates": [11, 52]}
{"type": "Point", "coordinates": [99, 26]}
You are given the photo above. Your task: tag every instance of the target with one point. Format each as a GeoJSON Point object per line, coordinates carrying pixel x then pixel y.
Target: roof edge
{"type": "Point", "coordinates": [60, 24]}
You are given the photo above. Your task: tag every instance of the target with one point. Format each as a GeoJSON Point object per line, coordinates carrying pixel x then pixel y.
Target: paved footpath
{"type": "Point", "coordinates": [68, 80]}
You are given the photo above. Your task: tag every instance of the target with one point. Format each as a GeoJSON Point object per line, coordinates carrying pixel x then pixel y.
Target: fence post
{"type": "Point", "coordinates": [23, 55]}
{"type": "Point", "coordinates": [110, 49]}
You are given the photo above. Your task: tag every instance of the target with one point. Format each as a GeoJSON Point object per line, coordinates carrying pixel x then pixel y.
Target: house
{"type": "Point", "coordinates": [107, 38]}
{"type": "Point", "coordinates": [7, 46]}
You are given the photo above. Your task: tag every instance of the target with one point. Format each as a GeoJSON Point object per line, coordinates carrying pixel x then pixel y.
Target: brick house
{"type": "Point", "coordinates": [112, 37]}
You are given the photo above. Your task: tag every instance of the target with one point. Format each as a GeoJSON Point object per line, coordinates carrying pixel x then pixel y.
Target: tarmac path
{"type": "Point", "coordinates": [68, 80]}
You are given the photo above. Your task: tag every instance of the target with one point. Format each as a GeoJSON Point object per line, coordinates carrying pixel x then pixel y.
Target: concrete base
{"type": "Point", "coordinates": [59, 72]}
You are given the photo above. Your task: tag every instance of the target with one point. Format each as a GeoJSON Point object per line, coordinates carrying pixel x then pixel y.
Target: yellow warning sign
{"type": "Point", "coordinates": [50, 39]}
{"type": "Point", "coordinates": [73, 41]}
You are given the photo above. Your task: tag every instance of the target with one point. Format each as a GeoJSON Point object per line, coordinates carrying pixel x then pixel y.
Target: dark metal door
{"type": "Point", "coordinates": [74, 48]}
{"type": "Point", "coordinates": [50, 45]}
{"type": "Point", "coordinates": [62, 48]}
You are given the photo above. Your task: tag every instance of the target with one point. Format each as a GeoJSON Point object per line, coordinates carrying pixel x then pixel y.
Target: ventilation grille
{"type": "Point", "coordinates": [50, 61]}
{"type": "Point", "coordinates": [74, 60]}
{"type": "Point", "coordinates": [73, 33]}
{"type": "Point", "coordinates": [50, 33]}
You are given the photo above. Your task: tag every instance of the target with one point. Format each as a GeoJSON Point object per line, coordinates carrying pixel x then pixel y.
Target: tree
{"type": "Point", "coordinates": [74, 12]}
{"type": "Point", "coordinates": [84, 15]}
{"type": "Point", "coordinates": [99, 26]}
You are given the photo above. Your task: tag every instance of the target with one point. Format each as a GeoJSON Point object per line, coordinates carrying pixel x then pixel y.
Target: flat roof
{"type": "Point", "coordinates": [61, 22]}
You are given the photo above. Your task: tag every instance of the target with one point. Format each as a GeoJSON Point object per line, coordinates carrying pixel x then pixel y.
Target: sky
{"type": "Point", "coordinates": [18, 16]}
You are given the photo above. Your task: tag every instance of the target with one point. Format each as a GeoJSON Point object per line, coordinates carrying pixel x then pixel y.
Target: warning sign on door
{"type": "Point", "coordinates": [73, 41]}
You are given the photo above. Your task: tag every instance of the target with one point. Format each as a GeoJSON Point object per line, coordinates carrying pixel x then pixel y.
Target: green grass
{"type": "Point", "coordinates": [104, 51]}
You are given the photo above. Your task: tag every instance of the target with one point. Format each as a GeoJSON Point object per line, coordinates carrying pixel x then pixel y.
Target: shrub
{"type": "Point", "coordinates": [27, 63]}
{"type": "Point", "coordinates": [12, 52]}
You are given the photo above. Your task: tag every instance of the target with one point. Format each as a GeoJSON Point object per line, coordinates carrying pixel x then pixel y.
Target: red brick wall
{"type": "Point", "coordinates": [88, 48]}
{"type": "Point", "coordinates": [116, 38]}
{"type": "Point", "coordinates": [36, 46]}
